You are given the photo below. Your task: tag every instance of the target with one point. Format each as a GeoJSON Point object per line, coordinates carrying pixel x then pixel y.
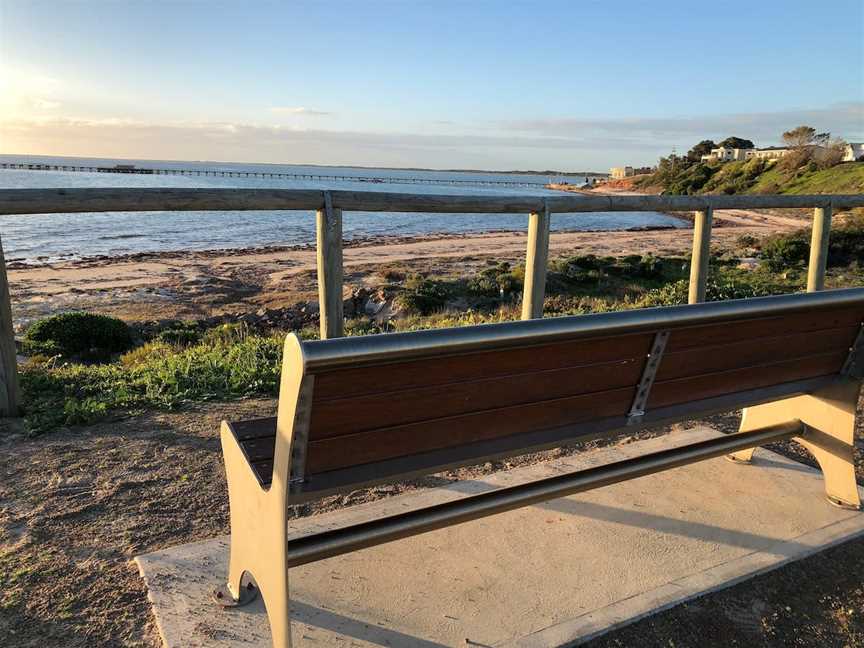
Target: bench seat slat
{"type": "Point", "coordinates": [253, 428]}
{"type": "Point", "coordinates": [351, 415]}
{"type": "Point", "coordinates": [766, 327]}
{"type": "Point", "coordinates": [379, 444]}
{"type": "Point", "coordinates": [709, 385]}
{"type": "Point", "coordinates": [261, 447]}
{"type": "Point", "coordinates": [731, 355]}
{"type": "Point", "coordinates": [444, 370]}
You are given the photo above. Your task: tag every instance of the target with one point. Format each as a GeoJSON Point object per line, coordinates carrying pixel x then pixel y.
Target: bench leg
{"type": "Point", "coordinates": [829, 415]}
{"type": "Point", "coordinates": [258, 543]}
{"type": "Point", "coordinates": [274, 589]}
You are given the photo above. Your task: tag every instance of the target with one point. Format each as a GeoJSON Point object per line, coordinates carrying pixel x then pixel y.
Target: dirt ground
{"type": "Point", "coordinates": [197, 285]}
{"type": "Point", "coordinates": [77, 505]}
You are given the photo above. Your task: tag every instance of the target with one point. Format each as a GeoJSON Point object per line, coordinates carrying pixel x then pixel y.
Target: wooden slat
{"type": "Point", "coordinates": [386, 443]}
{"type": "Point", "coordinates": [476, 366]}
{"type": "Point", "coordinates": [769, 327]}
{"type": "Point", "coordinates": [260, 448]}
{"type": "Point", "coordinates": [263, 470]}
{"type": "Point", "coordinates": [350, 415]}
{"type": "Point", "coordinates": [735, 355]}
{"type": "Point", "coordinates": [254, 428]}
{"type": "Point", "coordinates": [682, 390]}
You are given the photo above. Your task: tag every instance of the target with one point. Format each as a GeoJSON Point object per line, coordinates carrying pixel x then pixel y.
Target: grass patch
{"type": "Point", "coordinates": [845, 178]}
{"type": "Point", "coordinates": [156, 375]}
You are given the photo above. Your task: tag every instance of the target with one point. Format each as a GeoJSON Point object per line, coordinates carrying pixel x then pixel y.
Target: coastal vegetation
{"type": "Point", "coordinates": [83, 368]}
{"type": "Point", "coordinates": [812, 164]}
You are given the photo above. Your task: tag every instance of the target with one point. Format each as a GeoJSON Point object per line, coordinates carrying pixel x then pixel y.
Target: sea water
{"type": "Point", "coordinates": [51, 237]}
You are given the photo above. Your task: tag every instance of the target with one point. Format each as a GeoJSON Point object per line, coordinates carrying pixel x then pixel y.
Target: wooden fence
{"type": "Point", "coordinates": [329, 206]}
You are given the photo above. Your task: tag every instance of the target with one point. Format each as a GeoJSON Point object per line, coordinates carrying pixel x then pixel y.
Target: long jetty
{"type": "Point", "coordinates": [233, 173]}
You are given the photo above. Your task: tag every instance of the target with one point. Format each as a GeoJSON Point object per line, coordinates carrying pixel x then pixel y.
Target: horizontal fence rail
{"type": "Point", "coordinates": [330, 205]}
{"type": "Point", "coordinates": [53, 201]}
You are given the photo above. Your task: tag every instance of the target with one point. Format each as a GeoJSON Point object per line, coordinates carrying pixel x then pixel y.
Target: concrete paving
{"type": "Point", "coordinates": [547, 575]}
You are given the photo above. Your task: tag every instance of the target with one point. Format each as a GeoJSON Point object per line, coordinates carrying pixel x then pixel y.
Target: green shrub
{"type": "Point", "coordinates": [747, 241]}
{"type": "Point", "coordinates": [179, 336]}
{"type": "Point", "coordinates": [846, 243]}
{"type": "Point", "coordinates": [717, 289]}
{"type": "Point", "coordinates": [78, 335]}
{"type": "Point", "coordinates": [225, 334]}
{"type": "Point", "coordinates": [784, 251]}
{"type": "Point", "coordinates": [492, 281]}
{"type": "Point", "coordinates": [146, 352]}
{"type": "Point", "coordinates": [422, 295]}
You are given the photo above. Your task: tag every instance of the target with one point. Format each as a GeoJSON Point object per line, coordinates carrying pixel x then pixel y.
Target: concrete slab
{"type": "Point", "coordinates": [545, 575]}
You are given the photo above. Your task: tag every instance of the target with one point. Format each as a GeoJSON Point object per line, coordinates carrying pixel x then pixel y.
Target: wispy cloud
{"type": "Point", "coordinates": [45, 104]}
{"type": "Point", "coordinates": [566, 143]}
{"type": "Point", "coordinates": [843, 119]}
{"type": "Point", "coordinates": [299, 110]}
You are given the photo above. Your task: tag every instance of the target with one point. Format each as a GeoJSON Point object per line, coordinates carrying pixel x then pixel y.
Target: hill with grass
{"type": "Point", "coordinates": [756, 176]}
{"type": "Point", "coordinates": [812, 163]}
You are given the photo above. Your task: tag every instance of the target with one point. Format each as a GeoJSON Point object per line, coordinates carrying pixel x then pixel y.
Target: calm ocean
{"type": "Point", "coordinates": [43, 239]}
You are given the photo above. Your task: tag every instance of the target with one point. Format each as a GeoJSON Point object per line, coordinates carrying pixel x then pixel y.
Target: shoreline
{"type": "Point", "coordinates": [21, 263]}
{"type": "Point", "coordinates": [196, 285]}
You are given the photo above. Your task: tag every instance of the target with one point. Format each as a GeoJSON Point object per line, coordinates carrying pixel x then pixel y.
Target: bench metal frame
{"type": "Point", "coordinates": [818, 413]}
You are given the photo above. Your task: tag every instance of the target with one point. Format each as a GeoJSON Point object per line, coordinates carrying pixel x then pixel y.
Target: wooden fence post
{"type": "Point", "coordinates": [535, 265]}
{"type": "Point", "coordinates": [10, 394]}
{"type": "Point", "coordinates": [701, 255]}
{"type": "Point", "coordinates": [819, 249]}
{"type": "Point", "coordinates": [329, 242]}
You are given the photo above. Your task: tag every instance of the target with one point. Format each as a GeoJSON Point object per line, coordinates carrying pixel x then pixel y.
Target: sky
{"type": "Point", "coordinates": [486, 85]}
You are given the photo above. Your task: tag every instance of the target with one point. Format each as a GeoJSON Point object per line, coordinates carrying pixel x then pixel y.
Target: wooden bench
{"type": "Point", "coordinates": [365, 410]}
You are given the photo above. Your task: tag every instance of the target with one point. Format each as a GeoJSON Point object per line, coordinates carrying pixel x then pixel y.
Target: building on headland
{"type": "Point", "coordinates": [618, 173]}
{"type": "Point", "coordinates": [772, 152]}
{"type": "Point", "coordinates": [854, 152]}
{"type": "Point", "coordinates": [727, 154]}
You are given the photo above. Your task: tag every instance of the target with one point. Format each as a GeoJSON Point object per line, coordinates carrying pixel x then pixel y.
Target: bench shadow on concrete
{"type": "Point", "coordinates": [663, 524]}
{"type": "Point", "coordinates": [362, 630]}
{"type": "Point", "coordinates": [673, 526]}
{"type": "Point", "coordinates": [328, 620]}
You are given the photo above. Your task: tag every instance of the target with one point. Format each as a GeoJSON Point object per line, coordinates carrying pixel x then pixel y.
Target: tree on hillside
{"type": "Point", "coordinates": [811, 149]}
{"type": "Point", "coordinates": [805, 136]}
{"type": "Point", "coordinates": [737, 143]}
{"type": "Point", "coordinates": [702, 148]}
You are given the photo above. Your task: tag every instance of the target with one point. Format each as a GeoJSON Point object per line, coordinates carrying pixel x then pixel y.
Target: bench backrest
{"type": "Point", "coordinates": [360, 410]}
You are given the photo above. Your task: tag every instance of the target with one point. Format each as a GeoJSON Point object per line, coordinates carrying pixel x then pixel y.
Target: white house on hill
{"type": "Point", "coordinates": [726, 154]}
{"type": "Point", "coordinates": [853, 152]}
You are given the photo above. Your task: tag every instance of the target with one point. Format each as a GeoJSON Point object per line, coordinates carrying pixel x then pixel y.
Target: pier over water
{"type": "Point", "coordinates": [228, 173]}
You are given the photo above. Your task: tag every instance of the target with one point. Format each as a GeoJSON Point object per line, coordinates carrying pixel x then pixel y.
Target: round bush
{"type": "Point", "coordinates": [78, 335]}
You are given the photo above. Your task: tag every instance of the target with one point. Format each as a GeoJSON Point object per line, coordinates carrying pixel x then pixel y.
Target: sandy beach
{"type": "Point", "coordinates": [182, 284]}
